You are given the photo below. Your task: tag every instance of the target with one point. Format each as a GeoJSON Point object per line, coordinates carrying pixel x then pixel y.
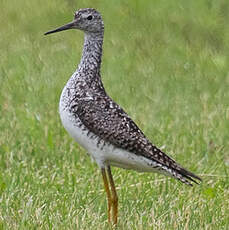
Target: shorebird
{"type": "Point", "coordinates": [100, 125]}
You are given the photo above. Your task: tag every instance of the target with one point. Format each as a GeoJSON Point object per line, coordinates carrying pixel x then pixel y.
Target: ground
{"type": "Point", "coordinates": [166, 63]}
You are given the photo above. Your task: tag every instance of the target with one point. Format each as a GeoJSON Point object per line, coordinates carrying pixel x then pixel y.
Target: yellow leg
{"type": "Point", "coordinates": [106, 185]}
{"type": "Point", "coordinates": [114, 197]}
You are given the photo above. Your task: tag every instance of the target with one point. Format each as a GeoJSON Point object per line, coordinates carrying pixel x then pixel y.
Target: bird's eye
{"type": "Point", "coordinates": [89, 17]}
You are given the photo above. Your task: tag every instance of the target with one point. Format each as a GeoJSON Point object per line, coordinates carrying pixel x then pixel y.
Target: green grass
{"type": "Point", "coordinates": [166, 63]}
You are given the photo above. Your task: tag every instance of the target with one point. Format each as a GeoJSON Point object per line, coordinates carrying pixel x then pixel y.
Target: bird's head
{"type": "Point", "coordinates": [88, 20]}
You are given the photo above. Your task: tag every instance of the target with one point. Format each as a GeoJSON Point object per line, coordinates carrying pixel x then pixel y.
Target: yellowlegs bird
{"type": "Point", "coordinates": [100, 125]}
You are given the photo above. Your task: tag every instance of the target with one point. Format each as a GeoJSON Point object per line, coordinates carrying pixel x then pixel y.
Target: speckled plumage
{"type": "Point", "coordinates": [99, 124]}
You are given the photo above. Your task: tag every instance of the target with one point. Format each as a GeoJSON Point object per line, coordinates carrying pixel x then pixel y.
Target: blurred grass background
{"type": "Point", "coordinates": [166, 63]}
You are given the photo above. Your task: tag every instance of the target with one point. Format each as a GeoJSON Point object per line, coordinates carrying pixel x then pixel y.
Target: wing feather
{"type": "Point", "coordinates": [111, 123]}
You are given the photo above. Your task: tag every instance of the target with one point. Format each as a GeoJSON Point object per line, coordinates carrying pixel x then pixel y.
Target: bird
{"type": "Point", "coordinates": [100, 125]}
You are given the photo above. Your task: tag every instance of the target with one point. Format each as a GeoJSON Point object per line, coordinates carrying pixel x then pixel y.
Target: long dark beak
{"type": "Point", "coordinates": [65, 27]}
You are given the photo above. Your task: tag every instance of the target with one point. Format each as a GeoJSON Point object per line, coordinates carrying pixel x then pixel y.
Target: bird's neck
{"type": "Point", "coordinates": [92, 53]}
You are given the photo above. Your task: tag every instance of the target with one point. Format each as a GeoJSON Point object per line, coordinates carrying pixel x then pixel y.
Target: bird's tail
{"type": "Point", "coordinates": [168, 166]}
{"type": "Point", "coordinates": [185, 176]}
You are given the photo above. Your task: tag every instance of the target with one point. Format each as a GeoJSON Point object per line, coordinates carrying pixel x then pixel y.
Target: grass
{"type": "Point", "coordinates": [166, 63]}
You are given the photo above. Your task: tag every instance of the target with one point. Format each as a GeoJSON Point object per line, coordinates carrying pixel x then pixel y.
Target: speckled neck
{"type": "Point", "coordinates": [92, 53]}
